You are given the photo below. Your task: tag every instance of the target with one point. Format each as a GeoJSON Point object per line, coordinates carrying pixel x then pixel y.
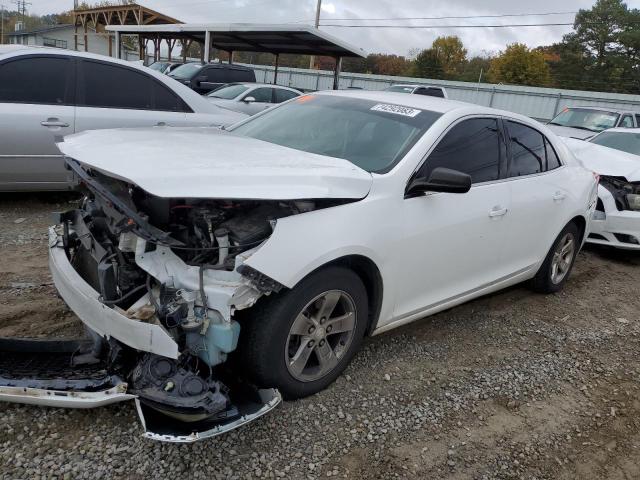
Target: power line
{"type": "Point", "coordinates": [513, 25]}
{"type": "Point", "coordinates": [458, 17]}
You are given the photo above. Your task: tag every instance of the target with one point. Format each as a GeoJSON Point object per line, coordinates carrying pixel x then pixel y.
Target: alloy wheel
{"type": "Point", "coordinates": [563, 258]}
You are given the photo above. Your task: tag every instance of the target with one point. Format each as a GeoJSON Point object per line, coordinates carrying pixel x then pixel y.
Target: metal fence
{"type": "Point", "coordinates": [539, 103]}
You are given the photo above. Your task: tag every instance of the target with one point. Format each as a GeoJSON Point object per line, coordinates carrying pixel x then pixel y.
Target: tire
{"type": "Point", "coordinates": [545, 281]}
{"type": "Point", "coordinates": [275, 330]}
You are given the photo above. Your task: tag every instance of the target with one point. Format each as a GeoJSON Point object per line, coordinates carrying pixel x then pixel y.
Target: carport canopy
{"type": "Point", "coordinates": [246, 37]}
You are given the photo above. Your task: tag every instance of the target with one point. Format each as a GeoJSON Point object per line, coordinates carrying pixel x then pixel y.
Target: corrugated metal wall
{"type": "Point", "coordinates": [539, 103]}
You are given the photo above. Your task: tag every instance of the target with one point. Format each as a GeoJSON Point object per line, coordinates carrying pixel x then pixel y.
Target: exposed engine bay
{"type": "Point", "coordinates": [167, 277]}
{"type": "Point", "coordinates": [626, 194]}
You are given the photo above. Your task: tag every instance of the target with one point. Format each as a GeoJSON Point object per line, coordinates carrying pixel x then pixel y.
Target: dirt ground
{"type": "Point", "coordinates": [513, 385]}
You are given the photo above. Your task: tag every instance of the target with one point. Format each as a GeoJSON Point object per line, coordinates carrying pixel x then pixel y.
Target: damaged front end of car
{"type": "Point", "coordinates": [158, 282]}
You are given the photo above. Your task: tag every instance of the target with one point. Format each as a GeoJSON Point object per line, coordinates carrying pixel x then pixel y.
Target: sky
{"type": "Point", "coordinates": [398, 41]}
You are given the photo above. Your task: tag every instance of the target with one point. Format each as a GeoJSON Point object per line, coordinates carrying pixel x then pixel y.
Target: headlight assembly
{"type": "Point", "coordinates": [633, 199]}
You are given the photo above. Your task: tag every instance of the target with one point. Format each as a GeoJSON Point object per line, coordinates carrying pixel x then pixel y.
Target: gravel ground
{"type": "Point", "coordinates": [513, 385]}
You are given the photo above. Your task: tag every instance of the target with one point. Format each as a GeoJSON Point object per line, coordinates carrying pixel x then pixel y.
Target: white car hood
{"type": "Point", "coordinates": [605, 160]}
{"type": "Point", "coordinates": [569, 132]}
{"type": "Point", "coordinates": [211, 163]}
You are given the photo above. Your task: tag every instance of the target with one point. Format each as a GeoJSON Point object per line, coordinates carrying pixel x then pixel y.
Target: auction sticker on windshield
{"type": "Point", "coordinates": [396, 109]}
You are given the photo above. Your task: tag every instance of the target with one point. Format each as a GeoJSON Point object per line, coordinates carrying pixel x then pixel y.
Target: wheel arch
{"type": "Point", "coordinates": [581, 223]}
{"type": "Point", "coordinates": [371, 277]}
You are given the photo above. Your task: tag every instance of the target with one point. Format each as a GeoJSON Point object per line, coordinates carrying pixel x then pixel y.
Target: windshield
{"type": "Point", "coordinates": [592, 120]}
{"type": "Point", "coordinates": [158, 66]}
{"type": "Point", "coordinates": [374, 136]}
{"type": "Point", "coordinates": [399, 88]}
{"type": "Point", "coordinates": [625, 141]}
{"type": "Point", "coordinates": [228, 92]}
{"type": "Point", "coordinates": [186, 71]}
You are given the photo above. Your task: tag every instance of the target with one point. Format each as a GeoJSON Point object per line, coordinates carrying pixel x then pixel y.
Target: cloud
{"type": "Point", "coordinates": [398, 41]}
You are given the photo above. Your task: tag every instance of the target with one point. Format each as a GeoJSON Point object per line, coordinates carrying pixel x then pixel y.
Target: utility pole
{"type": "Point", "coordinates": [312, 60]}
{"type": "Point", "coordinates": [22, 10]}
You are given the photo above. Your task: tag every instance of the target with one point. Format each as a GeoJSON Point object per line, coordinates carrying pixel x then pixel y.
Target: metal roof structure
{"type": "Point", "coordinates": [246, 37]}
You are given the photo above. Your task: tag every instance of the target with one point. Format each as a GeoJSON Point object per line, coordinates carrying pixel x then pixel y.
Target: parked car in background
{"type": "Point", "coordinates": [204, 78]}
{"type": "Point", "coordinates": [48, 93]}
{"type": "Point", "coordinates": [427, 90]}
{"type": "Point", "coordinates": [165, 67]}
{"type": "Point", "coordinates": [585, 122]}
{"type": "Point", "coordinates": [614, 155]}
{"type": "Point", "coordinates": [251, 98]}
{"type": "Point", "coordinates": [623, 139]}
{"type": "Point", "coordinates": [285, 241]}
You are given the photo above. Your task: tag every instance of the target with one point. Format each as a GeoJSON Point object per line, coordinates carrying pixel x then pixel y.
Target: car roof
{"type": "Point", "coordinates": [257, 84]}
{"type": "Point", "coordinates": [415, 85]}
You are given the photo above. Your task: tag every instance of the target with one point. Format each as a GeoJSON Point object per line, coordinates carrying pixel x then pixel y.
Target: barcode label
{"type": "Point", "coordinates": [396, 109]}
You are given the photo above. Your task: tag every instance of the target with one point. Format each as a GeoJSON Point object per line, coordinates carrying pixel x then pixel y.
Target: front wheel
{"type": "Point", "coordinates": [301, 340]}
{"type": "Point", "coordinates": [557, 266]}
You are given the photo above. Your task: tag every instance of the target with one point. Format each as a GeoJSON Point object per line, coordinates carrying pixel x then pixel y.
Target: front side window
{"type": "Point", "coordinates": [586, 119]}
{"type": "Point", "coordinates": [372, 135]}
{"type": "Point", "coordinates": [262, 95]}
{"type": "Point", "coordinates": [624, 141]}
{"type": "Point", "coordinates": [134, 89]}
{"type": "Point", "coordinates": [186, 71]}
{"type": "Point", "coordinates": [473, 147]}
{"type": "Point", "coordinates": [228, 92]}
{"type": "Point", "coordinates": [38, 80]}
{"type": "Point", "coordinates": [626, 122]}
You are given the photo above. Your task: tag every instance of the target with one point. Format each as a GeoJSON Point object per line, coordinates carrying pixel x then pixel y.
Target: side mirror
{"type": "Point", "coordinates": [441, 180]}
{"type": "Point", "coordinates": [201, 78]}
{"type": "Point", "coordinates": [249, 99]}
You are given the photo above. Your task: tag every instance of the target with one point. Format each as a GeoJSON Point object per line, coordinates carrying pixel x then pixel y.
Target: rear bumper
{"type": "Point", "coordinates": [107, 322]}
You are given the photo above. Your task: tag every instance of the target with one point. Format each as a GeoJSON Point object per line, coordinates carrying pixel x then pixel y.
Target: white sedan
{"type": "Point", "coordinates": [615, 156]}
{"type": "Point", "coordinates": [284, 242]}
{"type": "Point", "coordinates": [251, 98]}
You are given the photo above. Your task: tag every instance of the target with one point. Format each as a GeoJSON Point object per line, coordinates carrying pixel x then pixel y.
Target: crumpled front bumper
{"type": "Point", "coordinates": [615, 228]}
{"type": "Point", "coordinates": [107, 322]}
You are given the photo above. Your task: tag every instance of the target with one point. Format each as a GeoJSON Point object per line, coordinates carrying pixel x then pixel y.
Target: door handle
{"type": "Point", "coordinates": [559, 196]}
{"type": "Point", "coordinates": [498, 212]}
{"type": "Point", "coordinates": [161, 124]}
{"type": "Point", "coordinates": [53, 122]}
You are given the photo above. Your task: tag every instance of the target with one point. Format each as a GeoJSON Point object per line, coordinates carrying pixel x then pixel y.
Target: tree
{"type": "Point", "coordinates": [473, 68]}
{"type": "Point", "coordinates": [384, 64]}
{"type": "Point", "coordinates": [451, 54]}
{"type": "Point", "coordinates": [519, 65]}
{"type": "Point", "coordinates": [428, 65]}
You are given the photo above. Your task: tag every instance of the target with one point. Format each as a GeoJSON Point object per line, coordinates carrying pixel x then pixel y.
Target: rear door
{"type": "Point", "coordinates": [539, 187]}
{"type": "Point", "coordinates": [115, 96]}
{"type": "Point", "coordinates": [36, 110]}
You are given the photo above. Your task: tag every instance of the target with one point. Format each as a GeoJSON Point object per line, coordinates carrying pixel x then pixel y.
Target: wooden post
{"type": "Point", "coordinates": [118, 45]}
{"type": "Point", "coordinates": [275, 70]}
{"type": "Point", "coordinates": [185, 49]}
{"type": "Point", "coordinates": [86, 36]}
{"type": "Point", "coordinates": [75, 32]}
{"type": "Point", "coordinates": [336, 73]}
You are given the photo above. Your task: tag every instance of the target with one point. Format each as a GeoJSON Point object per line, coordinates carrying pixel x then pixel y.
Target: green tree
{"type": "Point", "coordinates": [428, 65]}
{"type": "Point", "coordinates": [519, 65]}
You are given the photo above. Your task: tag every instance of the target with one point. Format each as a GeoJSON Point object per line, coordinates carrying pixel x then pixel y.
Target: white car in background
{"type": "Point", "coordinates": [251, 98]}
{"type": "Point", "coordinates": [615, 156]}
{"type": "Point", "coordinates": [418, 89]}
{"type": "Point", "coordinates": [585, 122]}
{"type": "Point", "coordinates": [285, 241]}
{"type": "Point", "coordinates": [47, 93]}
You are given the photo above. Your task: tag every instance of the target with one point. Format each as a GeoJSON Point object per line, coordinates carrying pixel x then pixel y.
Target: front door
{"type": "Point", "coordinates": [451, 243]}
{"type": "Point", "coordinates": [36, 111]}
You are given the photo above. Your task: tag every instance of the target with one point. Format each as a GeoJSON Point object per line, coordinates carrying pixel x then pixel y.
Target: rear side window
{"type": "Point", "coordinates": [553, 161]}
{"type": "Point", "coordinates": [528, 155]}
{"type": "Point", "coordinates": [111, 86]}
{"type": "Point", "coordinates": [284, 95]}
{"type": "Point", "coordinates": [39, 80]}
{"type": "Point", "coordinates": [638, 119]}
{"type": "Point", "coordinates": [241, 75]}
{"type": "Point", "coordinates": [473, 147]}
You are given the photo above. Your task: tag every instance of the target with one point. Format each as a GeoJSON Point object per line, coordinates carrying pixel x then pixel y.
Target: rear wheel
{"type": "Point", "coordinates": [301, 340]}
{"type": "Point", "coordinates": [555, 270]}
